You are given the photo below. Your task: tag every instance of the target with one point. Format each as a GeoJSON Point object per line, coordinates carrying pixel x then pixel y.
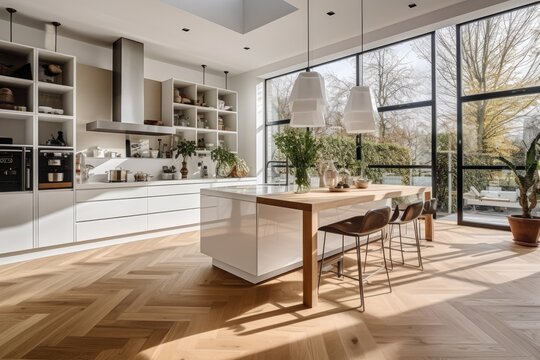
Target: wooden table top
{"type": "Point", "coordinates": [321, 198]}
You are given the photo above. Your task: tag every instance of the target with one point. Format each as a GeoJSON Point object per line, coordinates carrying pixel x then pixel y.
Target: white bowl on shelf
{"type": "Point", "coordinates": [45, 109]}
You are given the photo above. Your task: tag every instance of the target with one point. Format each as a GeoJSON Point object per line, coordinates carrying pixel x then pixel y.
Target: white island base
{"type": "Point", "coordinates": [257, 242]}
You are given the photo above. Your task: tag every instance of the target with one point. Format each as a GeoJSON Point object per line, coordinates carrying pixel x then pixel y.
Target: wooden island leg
{"type": "Point", "coordinates": [309, 232]}
{"type": "Point", "coordinates": [429, 221]}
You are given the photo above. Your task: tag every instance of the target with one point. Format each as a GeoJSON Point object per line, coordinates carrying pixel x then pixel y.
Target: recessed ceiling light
{"type": "Point", "coordinates": [246, 48]}
{"type": "Point", "coordinates": [412, 5]}
{"type": "Point", "coordinates": [185, 29]}
{"type": "Point", "coordinates": [330, 13]}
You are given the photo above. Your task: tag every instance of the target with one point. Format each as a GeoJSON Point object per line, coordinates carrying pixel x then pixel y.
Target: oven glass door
{"type": "Point", "coordinates": [11, 169]}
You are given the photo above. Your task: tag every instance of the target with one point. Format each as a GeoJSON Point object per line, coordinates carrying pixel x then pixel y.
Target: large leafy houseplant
{"type": "Point", "coordinates": [526, 227]}
{"type": "Point", "coordinates": [301, 148]}
{"type": "Point", "coordinates": [186, 149]}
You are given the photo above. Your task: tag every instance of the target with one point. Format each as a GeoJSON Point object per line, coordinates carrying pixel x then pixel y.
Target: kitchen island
{"type": "Point", "coordinates": [259, 232]}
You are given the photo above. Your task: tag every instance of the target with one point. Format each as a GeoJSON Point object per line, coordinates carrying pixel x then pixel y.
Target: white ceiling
{"type": "Point", "coordinates": [159, 26]}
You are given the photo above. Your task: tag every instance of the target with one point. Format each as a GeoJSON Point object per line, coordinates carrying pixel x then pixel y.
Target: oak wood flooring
{"type": "Point", "coordinates": [478, 298]}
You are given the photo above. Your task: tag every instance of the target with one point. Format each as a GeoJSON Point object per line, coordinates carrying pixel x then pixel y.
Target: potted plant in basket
{"type": "Point", "coordinates": [526, 227]}
{"type": "Point", "coordinates": [301, 149]}
{"type": "Point", "coordinates": [225, 161]}
{"type": "Point", "coordinates": [186, 149]}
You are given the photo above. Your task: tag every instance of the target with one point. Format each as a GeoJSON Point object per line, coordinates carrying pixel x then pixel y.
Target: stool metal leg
{"type": "Point", "coordinates": [401, 244]}
{"type": "Point", "coordinates": [383, 236]}
{"type": "Point", "coordinates": [322, 263]}
{"type": "Point", "coordinates": [420, 265]}
{"type": "Point", "coordinates": [390, 247]}
{"type": "Point", "coordinates": [360, 279]}
{"type": "Point", "coordinates": [340, 264]}
{"type": "Point", "coordinates": [367, 247]}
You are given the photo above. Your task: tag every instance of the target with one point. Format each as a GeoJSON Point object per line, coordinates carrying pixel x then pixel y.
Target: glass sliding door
{"type": "Point", "coordinates": [498, 110]}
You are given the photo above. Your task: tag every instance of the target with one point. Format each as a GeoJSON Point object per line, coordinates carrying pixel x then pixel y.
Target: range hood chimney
{"type": "Point", "coordinates": [128, 94]}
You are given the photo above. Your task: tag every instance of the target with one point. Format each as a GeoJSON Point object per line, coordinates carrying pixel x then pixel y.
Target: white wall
{"type": "Point", "coordinates": [251, 121]}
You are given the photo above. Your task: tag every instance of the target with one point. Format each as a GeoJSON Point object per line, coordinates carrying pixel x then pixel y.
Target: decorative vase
{"type": "Point", "coordinates": [302, 180]}
{"type": "Point", "coordinates": [322, 182]}
{"type": "Point", "coordinates": [223, 170]}
{"type": "Point", "coordinates": [184, 170]}
{"type": "Point", "coordinates": [344, 176]}
{"type": "Point", "coordinates": [331, 175]}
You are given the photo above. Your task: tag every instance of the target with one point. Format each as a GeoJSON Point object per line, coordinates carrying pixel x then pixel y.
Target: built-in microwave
{"type": "Point", "coordinates": [15, 169]}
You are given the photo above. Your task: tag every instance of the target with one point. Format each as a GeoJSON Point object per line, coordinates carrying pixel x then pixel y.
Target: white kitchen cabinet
{"type": "Point", "coordinates": [174, 219]}
{"type": "Point", "coordinates": [96, 210]}
{"type": "Point", "coordinates": [98, 229]}
{"type": "Point", "coordinates": [111, 194]}
{"type": "Point", "coordinates": [229, 233]}
{"type": "Point", "coordinates": [16, 222]}
{"type": "Point", "coordinates": [164, 190]}
{"type": "Point", "coordinates": [55, 217]}
{"type": "Point", "coordinates": [173, 203]}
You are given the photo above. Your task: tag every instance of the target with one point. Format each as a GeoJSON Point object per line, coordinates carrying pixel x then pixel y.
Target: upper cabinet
{"type": "Point", "coordinates": [201, 113]}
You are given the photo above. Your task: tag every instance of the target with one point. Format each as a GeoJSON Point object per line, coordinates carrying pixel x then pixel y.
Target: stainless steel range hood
{"type": "Point", "coordinates": [128, 94]}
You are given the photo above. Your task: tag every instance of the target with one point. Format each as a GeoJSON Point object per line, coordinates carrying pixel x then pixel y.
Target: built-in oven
{"type": "Point", "coordinates": [55, 169]}
{"type": "Point", "coordinates": [15, 169]}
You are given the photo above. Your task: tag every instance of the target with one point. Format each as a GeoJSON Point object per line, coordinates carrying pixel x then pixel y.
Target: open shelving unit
{"type": "Point", "coordinates": [24, 72]}
{"type": "Point", "coordinates": [198, 114]}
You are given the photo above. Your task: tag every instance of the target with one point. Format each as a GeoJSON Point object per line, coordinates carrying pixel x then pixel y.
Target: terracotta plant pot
{"type": "Point", "coordinates": [525, 231]}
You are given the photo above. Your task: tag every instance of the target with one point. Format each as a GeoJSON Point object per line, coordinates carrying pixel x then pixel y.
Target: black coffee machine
{"type": "Point", "coordinates": [55, 169]}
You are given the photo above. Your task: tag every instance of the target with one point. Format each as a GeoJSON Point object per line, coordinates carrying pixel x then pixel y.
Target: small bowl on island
{"type": "Point", "coordinates": [340, 187]}
{"type": "Point", "coordinates": [361, 183]}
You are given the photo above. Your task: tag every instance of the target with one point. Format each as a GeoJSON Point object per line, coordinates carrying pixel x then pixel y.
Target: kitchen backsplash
{"type": "Point", "coordinates": [152, 167]}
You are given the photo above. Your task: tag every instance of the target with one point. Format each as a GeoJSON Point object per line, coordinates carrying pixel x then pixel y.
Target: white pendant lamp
{"type": "Point", "coordinates": [308, 96]}
{"type": "Point", "coordinates": [361, 111]}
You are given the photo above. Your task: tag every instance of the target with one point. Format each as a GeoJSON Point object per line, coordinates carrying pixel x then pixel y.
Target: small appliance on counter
{"type": "Point", "coordinates": [55, 169]}
{"type": "Point", "coordinates": [15, 169]}
{"type": "Point", "coordinates": [169, 173]}
{"type": "Point", "coordinates": [141, 176]}
{"type": "Point", "coordinates": [117, 175]}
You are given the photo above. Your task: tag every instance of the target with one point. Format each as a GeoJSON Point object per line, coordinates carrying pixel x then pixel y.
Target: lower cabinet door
{"type": "Point", "coordinates": [173, 219]}
{"type": "Point", "coordinates": [16, 222]}
{"type": "Point", "coordinates": [56, 217]}
{"type": "Point", "coordinates": [99, 229]}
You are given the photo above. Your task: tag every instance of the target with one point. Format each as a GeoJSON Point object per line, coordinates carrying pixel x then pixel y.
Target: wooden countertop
{"type": "Point", "coordinates": [321, 199]}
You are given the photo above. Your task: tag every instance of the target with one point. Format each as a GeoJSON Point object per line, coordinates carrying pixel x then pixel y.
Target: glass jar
{"type": "Point", "coordinates": [331, 175]}
{"type": "Point", "coordinates": [344, 176]}
{"type": "Point", "coordinates": [302, 180]}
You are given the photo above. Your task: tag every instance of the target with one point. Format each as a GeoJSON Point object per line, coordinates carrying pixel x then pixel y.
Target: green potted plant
{"type": "Point", "coordinates": [185, 149]}
{"type": "Point", "coordinates": [224, 159]}
{"type": "Point", "coordinates": [301, 149]}
{"type": "Point", "coordinates": [526, 227]}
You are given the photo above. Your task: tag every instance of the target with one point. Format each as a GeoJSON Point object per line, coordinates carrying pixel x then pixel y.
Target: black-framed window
{"type": "Point", "coordinates": [401, 75]}
{"type": "Point", "coordinates": [498, 109]}
{"type": "Point", "coordinates": [402, 78]}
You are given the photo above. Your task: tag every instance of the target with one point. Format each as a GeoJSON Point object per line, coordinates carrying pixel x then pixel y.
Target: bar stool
{"type": "Point", "coordinates": [411, 214]}
{"type": "Point", "coordinates": [370, 223]}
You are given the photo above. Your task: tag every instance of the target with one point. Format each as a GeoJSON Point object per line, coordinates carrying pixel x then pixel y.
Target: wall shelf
{"type": "Point", "coordinates": [193, 112]}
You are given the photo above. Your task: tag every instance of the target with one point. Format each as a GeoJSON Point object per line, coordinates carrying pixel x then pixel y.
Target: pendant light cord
{"type": "Point", "coordinates": [10, 26]}
{"type": "Point", "coordinates": [308, 67]}
{"type": "Point", "coordinates": [362, 44]}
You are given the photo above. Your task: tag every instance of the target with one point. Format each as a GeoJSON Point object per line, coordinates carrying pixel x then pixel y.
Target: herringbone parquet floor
{"type": "Point", "coordinates": [478, 298]}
